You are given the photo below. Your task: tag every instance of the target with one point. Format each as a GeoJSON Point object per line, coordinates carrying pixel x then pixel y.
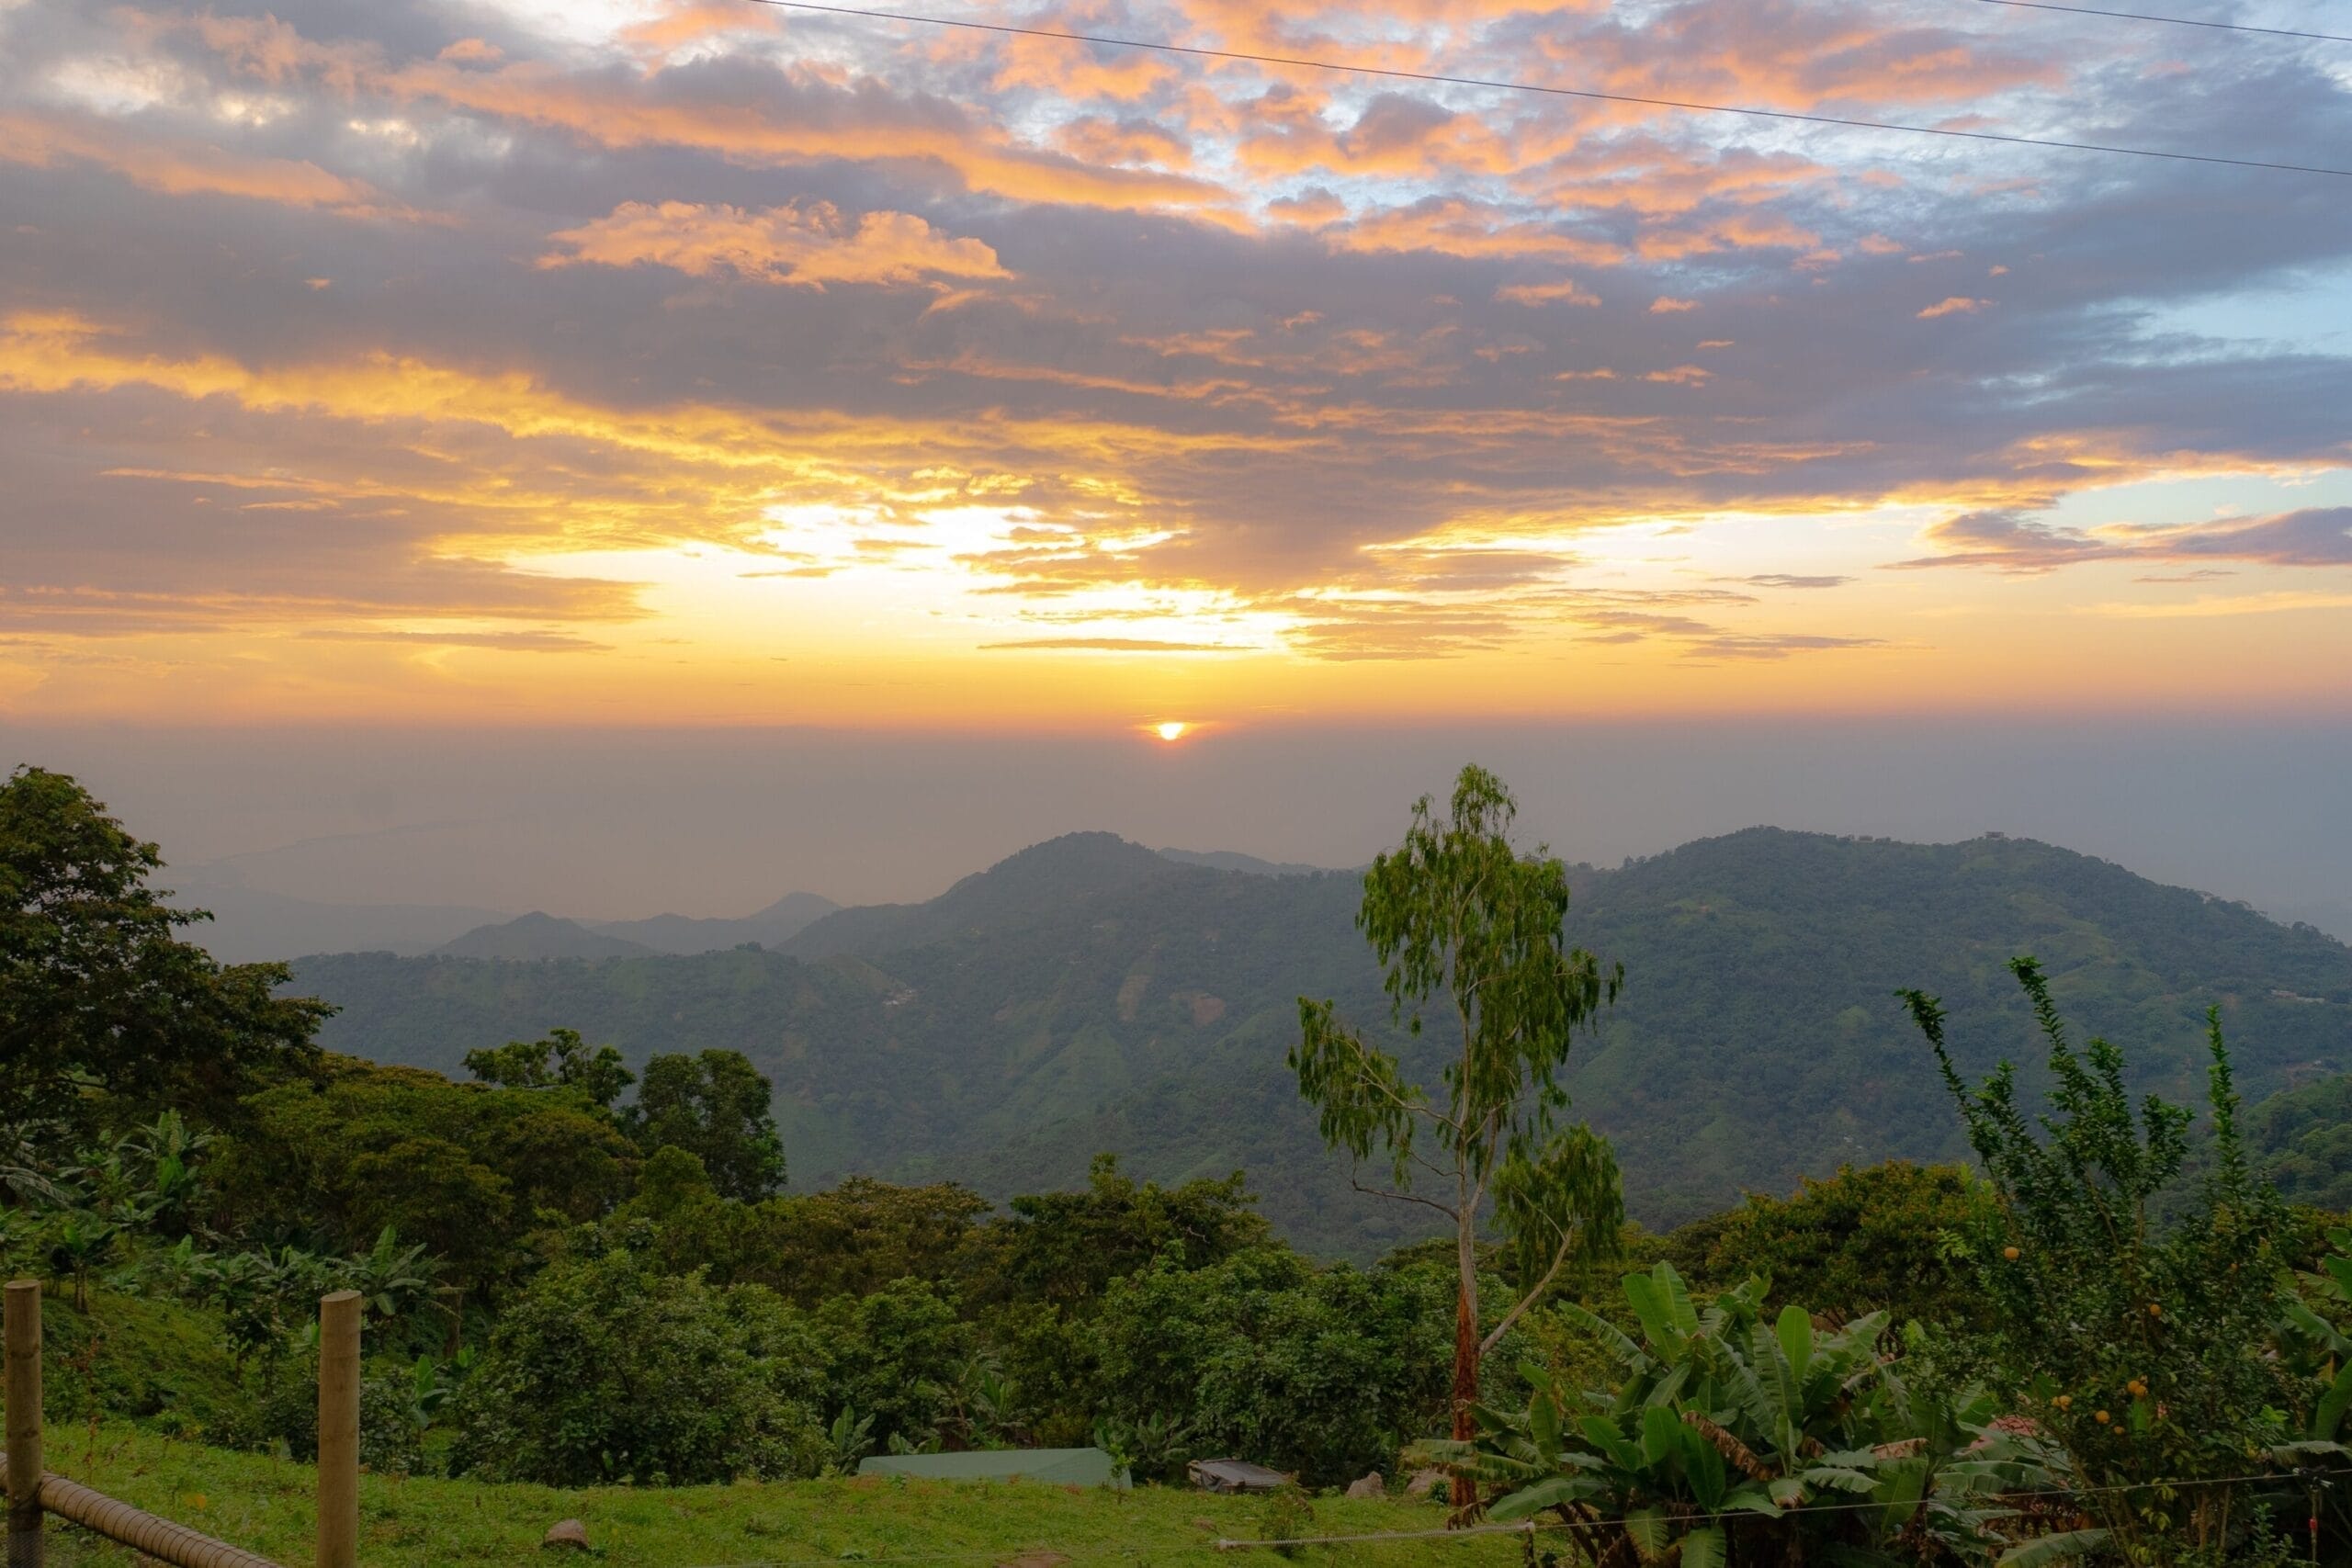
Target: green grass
{"type": "Point", "coordinates": [265, 1505]}
{"type": "Point", "coordinates": [148, 1357]}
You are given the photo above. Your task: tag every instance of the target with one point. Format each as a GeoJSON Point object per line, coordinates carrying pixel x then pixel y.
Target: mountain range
{"type": "Point", "coordinates": [1091, 994]}
{"type": "Point", "coordinates": [542, 935]}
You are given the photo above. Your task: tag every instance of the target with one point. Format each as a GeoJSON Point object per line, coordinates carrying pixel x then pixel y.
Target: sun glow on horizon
{"type": "Point", "coordinates": [1172, 731]}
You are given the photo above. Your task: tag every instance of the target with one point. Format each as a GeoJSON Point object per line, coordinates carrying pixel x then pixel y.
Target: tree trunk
{"type": "Point", "coordinates": [1465, 1365]}
{"type": "Point", "coordinates": [1465, 1386]}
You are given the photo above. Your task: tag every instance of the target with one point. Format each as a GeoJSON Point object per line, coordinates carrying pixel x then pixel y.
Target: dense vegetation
{"type": "Point", "coordinates": [2109, 1337]}
{"type": "Point", "coordinates": [1088, 994]}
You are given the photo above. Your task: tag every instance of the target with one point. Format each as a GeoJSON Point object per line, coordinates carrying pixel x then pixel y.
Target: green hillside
{"type": "Point", "coordinates": [1088, 994]}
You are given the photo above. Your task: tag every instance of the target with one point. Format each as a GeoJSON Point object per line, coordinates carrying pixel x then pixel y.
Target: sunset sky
{"type": "Point", "coordinates": [699, 362]}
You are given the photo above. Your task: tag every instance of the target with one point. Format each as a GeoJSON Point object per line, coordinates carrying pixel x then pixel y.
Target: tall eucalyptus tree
{"type": "Point", "coordinates": [1467, 927]}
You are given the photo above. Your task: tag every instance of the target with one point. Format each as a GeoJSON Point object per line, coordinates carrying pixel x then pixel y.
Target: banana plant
{"type": "Point", "coordinates": [1731, 1437]}
{"type": "Point", "coordinates": [1642, 1481]}
{"type": "Point", "coordinates": [167, 1148]}
{"type": "Point", "coordinates": [391, 1278]}
{"type": "Point", "coordinates": [24, 1174]}
{"type": "Point", "coordinates": [78, 1243]}
{"type": "Point", "coordinates": [1152, 1447]}
{"type": "Point", "coordinates": [848, 1439]}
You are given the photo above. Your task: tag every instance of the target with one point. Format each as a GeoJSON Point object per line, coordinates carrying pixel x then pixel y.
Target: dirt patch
{"type": "Point", "coordinates": [1131, 997]}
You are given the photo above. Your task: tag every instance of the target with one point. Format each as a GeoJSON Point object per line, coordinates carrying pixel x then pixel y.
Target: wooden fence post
{"type": "Point", "coordinates": [24, 1422]}
{"type": "Point", "coordinates": [339, 1430]}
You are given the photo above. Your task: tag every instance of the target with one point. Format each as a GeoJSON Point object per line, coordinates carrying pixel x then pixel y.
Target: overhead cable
{"type": "Point", "coordinates": [2170, 22]}
{"type": "Point", "coordinates": [1438, 78]}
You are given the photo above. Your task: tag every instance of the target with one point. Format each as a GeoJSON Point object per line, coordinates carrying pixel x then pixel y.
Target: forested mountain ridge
{"type": "Point", "coordinates": [539, 935]}
{"type": "Point", "coordinates": [779, 922]}
{"type": "Point", "coordinates": [1089, 994]}
{"type": "Point", "coordinates": [1035, 886]}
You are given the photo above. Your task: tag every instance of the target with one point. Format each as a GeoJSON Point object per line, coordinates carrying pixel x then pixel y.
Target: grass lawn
{"type": "Point", "coordinates": [264, 1505]}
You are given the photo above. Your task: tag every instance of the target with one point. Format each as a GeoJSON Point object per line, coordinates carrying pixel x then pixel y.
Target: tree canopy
{"type": "Point", "coordinates": [716, 1106]}
{"type": "Point", "coordinates": [97, 990]}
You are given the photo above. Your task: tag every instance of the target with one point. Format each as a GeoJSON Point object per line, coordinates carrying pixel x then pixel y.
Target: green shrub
{"type": "Point", "coordinates": [1325, 1372]}
{"type": "Point", "coordinates": [895, 1357]}
{"type": "Point", "coordinates": [2143, 1345]}
{"type": "Point", "coordinates": [1873, 1239]}
{"type": "Point", "coordinates": [603, 1371]}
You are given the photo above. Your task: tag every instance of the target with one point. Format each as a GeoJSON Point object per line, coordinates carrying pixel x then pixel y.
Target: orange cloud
{"type": "Point", "coordinates": [806, 118]}
{"type": "Point", "coordinates": [188, 169]}
{"type": "Point", "coordinates": [806, 247]}
{"type": "Point", "coordinates": [1959, 304]}
{"type": "Point", "coordinates": [1565, 292]}
{"type": "Point", "coordinates": [1100, 140]}
{"type": "Point", "coordinates": [1459, 227]}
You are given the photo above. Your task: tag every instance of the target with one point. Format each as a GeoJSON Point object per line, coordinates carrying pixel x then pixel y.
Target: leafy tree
{"type": "Point", "coordinates": [605, 1370]}
{"type": "Point", "coordinates": [896, 1355]}
{"type": "Point", "coordinates": [562, 1060]}
{"type": "Point", "coordinates": [854, 1238]}
{"type": "Point", "coordinates": [1067, 1246]}
{"type": "Point", "coordinates": [1457, 909]}
{"type": "Point", "coordinates": [97, 992]}
{"type": "Point", "coordinates": [161, 1157]}
{"type": "Point", "coordinates": [465, 1169]}
{"type": "Point", "coordinates": [2143, 1347]}
{"type": "Point", "coordinates": [1325, 1372]}
{"type": "Point", "coordinates": [718, 1106]}
{"type": "Point", "coordinates": [1878, 1237]}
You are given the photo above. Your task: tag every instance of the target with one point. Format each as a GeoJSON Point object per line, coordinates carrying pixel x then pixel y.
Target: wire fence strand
{"type": "Point", "coordinates": [1532, 1527]}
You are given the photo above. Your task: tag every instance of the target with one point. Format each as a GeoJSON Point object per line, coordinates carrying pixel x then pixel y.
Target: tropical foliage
{"type": "Point", "coordinates": [1732, 1435]}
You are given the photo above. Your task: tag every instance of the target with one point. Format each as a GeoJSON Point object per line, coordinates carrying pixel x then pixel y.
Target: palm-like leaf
{"type": "Point", "coordinates": [2058, 1547]}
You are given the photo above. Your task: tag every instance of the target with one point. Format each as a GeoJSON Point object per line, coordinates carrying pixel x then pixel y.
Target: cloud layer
{"type": "Point", "coordinates": [365, 353]}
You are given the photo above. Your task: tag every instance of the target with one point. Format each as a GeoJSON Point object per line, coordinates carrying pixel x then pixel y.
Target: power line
{"type": "Point", "coordinates": [1197, 51]}
{"type": "Point", "coordinates": [2169, 21]}
{"type": "Point", "coordinates": [1531, 1526]}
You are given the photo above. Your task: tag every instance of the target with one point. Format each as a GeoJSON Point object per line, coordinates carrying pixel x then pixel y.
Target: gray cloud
{"type": "Point", "coordinates": [2317, 536]}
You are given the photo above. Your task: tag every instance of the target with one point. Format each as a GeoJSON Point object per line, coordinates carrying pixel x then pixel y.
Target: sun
{"type": "Point", "coordinates": [1173, 729]}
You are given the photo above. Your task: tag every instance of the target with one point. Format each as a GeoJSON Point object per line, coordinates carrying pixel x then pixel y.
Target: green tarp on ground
{"type": "Point", "coordinates": [1063, 1467]}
